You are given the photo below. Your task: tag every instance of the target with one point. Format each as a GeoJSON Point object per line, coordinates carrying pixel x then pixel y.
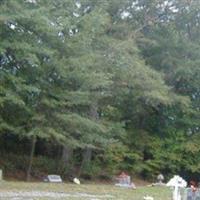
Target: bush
{"type": "Point", "coordinates": [12, 163]}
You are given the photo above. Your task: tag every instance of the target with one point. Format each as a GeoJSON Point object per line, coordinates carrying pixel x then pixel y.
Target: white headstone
{"type": "Point", "coordinates": [54, 179]}
{"type": "Point", "coordinates": [77, 181]}
{"type": "Point", "coordinates": [1, 175]}
{"type": "Point", "coordinates": [160, 178]}
{"type": "Point", "coordinates": [177, 183]}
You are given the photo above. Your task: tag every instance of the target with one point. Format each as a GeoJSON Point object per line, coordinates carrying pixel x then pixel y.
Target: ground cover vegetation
{"type": "Point", "coordinates": [22, 191]}
{"type": "Point", "coordinates": [95, 87]}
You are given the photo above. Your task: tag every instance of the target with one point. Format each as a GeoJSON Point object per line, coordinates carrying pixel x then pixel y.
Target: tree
{"type": "Point", "coordinates": [91, 76]}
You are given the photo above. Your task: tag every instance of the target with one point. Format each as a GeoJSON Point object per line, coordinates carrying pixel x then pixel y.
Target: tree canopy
{"type": "Point", "coordinates": [114, 84]}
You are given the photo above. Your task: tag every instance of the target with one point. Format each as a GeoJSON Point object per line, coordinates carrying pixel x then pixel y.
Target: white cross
{"type": "Point", "coordinates": [177, 183]}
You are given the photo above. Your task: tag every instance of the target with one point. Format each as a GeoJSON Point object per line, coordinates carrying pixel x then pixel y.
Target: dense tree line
{"type": "Point", "coordinates": [101, 86]}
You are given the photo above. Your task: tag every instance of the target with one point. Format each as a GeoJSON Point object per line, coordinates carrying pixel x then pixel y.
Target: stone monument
{"type": "Point", "coordinates": [1, 175]}
{"type": "Point", "coordinates": [177, 183]}
{"type": "Point", "coordinates": [191, 194]}
{"type": "Point", "coordinates": [160, 178]}
{"type": "Point", "coordinates": [54, 179]}
{"type": "Point", "coordinates": [124, 180]}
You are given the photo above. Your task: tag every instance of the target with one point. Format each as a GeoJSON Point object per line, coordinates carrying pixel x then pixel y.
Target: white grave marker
{"type": "Point", "coordinates": [1, 175]}
{"type": "Point", "coordinates": [54, 179]}
{"type": "Point", "coordinates": [77, 181]}
{"type": "Point", "coordinates": [177, 183]}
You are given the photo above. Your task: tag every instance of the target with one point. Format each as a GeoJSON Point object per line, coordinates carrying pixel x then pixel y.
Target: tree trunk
{"type": "Point", "coordinates": [87, 152]}
{"type": "Point", "coordinates": [67, 153]}
{"type": "Point", "coordinates": [28, 176]}
{"type": "Point", "coordinates": [87, 156]}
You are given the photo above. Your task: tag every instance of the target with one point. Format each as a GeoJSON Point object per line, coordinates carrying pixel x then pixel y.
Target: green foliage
{"type": "Point", "coordinates": [12, 163]}
{"type": "Point", "coordinates": [118, 77]}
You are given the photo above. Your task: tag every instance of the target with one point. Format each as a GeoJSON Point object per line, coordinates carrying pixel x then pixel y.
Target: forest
{"type": "Point", "coordinates": [94, 87]}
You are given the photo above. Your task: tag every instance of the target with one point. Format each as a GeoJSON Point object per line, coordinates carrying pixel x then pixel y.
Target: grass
{"type": "Point", "coordinates": [159, 193]}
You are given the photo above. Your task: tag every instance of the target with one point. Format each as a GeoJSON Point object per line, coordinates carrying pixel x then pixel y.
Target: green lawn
{"type": "Point", "coordinates": [103, 192]}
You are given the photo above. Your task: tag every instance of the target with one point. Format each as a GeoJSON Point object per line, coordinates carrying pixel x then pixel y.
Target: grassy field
{"type": "Point", "coordinates": [40, 191]}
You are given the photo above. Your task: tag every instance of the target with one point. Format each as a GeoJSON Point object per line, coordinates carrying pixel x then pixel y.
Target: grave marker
{"type": "Point", "coordinates": [177, 183]}
{"type": "Point", "coordinates": [191, 195]}
{"type": "Point", "coordinates": [124, 180]}
{"type": "Point", "coordinates": [1, 175]}
{"type": "Point", "coordinates": [54, 179]}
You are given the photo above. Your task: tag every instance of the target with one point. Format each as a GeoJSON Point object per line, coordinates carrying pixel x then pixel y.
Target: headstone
{"type": "Point", "coordinates": [54, 179]}
{"type": "Point", "coordinates": [192, 195]}
{"type": "Point", "coordinates": [77, 181]}
{"type": "Point", "coordinates": [160, 178]}
{"type": "Point", "coordinates": [124, 180]}
{"type": "Point", "coordinates": [177, 183]}
{"type": "Point", "coordinates": [1, 175]}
